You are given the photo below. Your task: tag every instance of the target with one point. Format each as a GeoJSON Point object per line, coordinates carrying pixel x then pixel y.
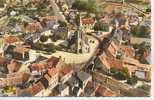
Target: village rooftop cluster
{"type": "Point", "coordinates": [75, 48]}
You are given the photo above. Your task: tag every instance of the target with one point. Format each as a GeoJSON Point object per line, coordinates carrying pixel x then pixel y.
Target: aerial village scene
{"type": "Point", "coordinates": [75, 48]}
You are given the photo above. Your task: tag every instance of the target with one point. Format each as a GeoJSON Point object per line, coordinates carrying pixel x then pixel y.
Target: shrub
{"type": "Point", "coordinates": [38, 46]}
{"type": "Point", "coordinates": [43, 38]}
{"type": "Point", "coordinates": [50, 47]}
{"type": "Point", "coordinates": [101, 27]}
{"type": "Point", "coordinates": [132, 80]}
{"type": "Point", "coordinates": [120, 74]}
{"type": "Point", "coordinates": [62, 24]}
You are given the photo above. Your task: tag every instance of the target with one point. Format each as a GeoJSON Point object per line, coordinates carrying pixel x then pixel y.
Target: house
{"type": "Point", "coordinates": [64, 90]}
{"type": "Point", "coordinates": [11, 39]}
{"type": "Point", "coordinates": [54, 62]}
{"type": "Point", "coordinates": [34, 90]}
{"type": "Point", "coordinates": [49, 80]}
{"type": "Point", "coordinates": [52, 76]}
{"type": "Point", "coordinates": [14, 66]}
{"type": "Point", "coordinates": [48, 21]}
{"type": "Point", "coordinates": [4, 61]}
{"type": "Point", "coordinates": [17, 78]}
{"type": "Point", "coordinates": [74, 86]}
{"type": "Point", "coordinates": [112, 50]}
{"type": "Point", "coordinates": [88, 24]}
{"type": "Point", "coordinates": [89, 89]}
{"type": "Point", "coordinates": [38, 68]}
{"type": "Point", "coordinates": [33, 27]}
{"type": "Point", "coordinates": [122, 35]}
{"type": "Point", "coordinates": [43, 66]}
{"type": "Point", "coordinates": [14, 79]}
{"type": "Point", "coordinates": [20, 53]}
{"type": "Point", "coordinates": [16, 52]}
{"type": "Point", "coordinates": [65, 72]}
{"type": "Point", "coordinates": [84, 78]}
{"type": "Point", "coordinates": [77, 82]}
{"type": "Point", "coordinates": [106, 63]}
{"type": "Point", "coordinates": [128, 51]}
{"type": "Point", "coordinates": [105, 92]}
{"type": "Point", "coordinates": [143, 71]}
{"type": "Point", "coordinates": [3, 65]}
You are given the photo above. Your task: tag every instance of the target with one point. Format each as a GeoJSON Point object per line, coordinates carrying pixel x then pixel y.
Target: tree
{"type": "Point", "coordinates": [134, 30]}
{"type": "Point", "coordinates": [140, 31]}
{"type": "Point", "coordinates": [38, 46]}
{"type": "Point", "coordinates": [43, 38]}
{"type": "Point", "coordinates": [125, 71]}
{"type": "Point", "coordinates": [148, 10]}
{"type": "Point", "coordinates": [144, 31]}
{"type": "Point", "coordinates": [132, 80]}
{"type": "Point", "coordinates": [50, 47]}
{"type": "Point", "coordinates": [114, 70]}
{"type": "Point", "coordinates": [120, 74]}
{"type": "Point", "coordinates": [62, 24]}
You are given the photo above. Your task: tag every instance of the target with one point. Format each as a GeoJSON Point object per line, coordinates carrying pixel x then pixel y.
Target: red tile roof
{"type": "Point", "coordinates": [90, 88]}
{"type": "Point", "coordinates": [36, 88]}
{"type": "Point", "coordinates": [53, 61]}
{"type": "Point", "coordinates": [65, 70]}
{"type": "Point", "coordinates": [38, 66]}
{"type": "Point", "coordinates": [88, 21]}
{"type": "Point", "coordinates": [103, 91]}
{"type": "Point", "coordinates": [17, 78]}
{"type": "Point", "coordinates": [4, 61]}
{"type": "Point", "coordinates": [114, 63]}
{"type": "Point", "coordinates": [11, 39]}
{"type": "Point", "coordinates": [109, 93]}
{"type": "Point", "coordinates": [14, 66]}
{"type": "Point", "coordinates": [53, 71]}
{"type": "Point", "coordinates": [33, 27]}
{"type": "Point", "coordinates": [129, 51]}
{"type": "Point", "coordinates": [112, 49]}
{"type": "Point", "coordinates": [111, 62]}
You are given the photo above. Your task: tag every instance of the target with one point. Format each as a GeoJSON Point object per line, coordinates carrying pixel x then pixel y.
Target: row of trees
{"type": "Point", "coordinates": [44, 47]}
{"type": "Point", "coordinates": [99, 26]}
